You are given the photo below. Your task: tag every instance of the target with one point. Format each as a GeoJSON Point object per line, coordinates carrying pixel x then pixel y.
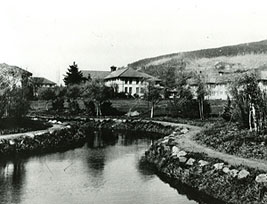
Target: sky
{"type": "Point", "coordinates": [46, 36]}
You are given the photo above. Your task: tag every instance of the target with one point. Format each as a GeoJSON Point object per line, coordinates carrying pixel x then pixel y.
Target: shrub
{"type": "Point", "coordinates": [73, 107]}
{"type": "Point", "coordinates": [58, 104]}
{"type": "Point", "coordinates": [90, 107]}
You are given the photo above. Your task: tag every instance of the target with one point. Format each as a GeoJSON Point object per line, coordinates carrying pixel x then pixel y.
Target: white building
{"type": "Point", "coordinates": [218, 82]}
{"type": "Point", "coordinates": [129, 81]}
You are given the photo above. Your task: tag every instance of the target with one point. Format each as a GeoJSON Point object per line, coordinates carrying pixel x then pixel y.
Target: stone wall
{"type": "Point", "coordinates": [132, 125]}
{"type": "Point", "coordinates": [209, 176]}
{"type": "Point", "coordinates": [49, 141]}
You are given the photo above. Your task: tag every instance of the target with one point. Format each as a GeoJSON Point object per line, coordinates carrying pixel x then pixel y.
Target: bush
{"type": "Point", "coordinates": [58, 104]}
{"type": "Point", "coordinates": [17, 105]}
{"type": "Point", "coordinates": [46, 94]}
{"type": "Point", "coordinates": [108, 110]}
{"type": "Point", "coordinates": [90, 107]}
{"type": "Point", "coordinates": [73, 107]}
{"type": "Point", "coordinates": [188, 109]}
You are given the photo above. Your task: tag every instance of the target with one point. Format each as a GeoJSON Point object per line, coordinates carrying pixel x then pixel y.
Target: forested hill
{"type": "Point", "coordinates": [241, 56]}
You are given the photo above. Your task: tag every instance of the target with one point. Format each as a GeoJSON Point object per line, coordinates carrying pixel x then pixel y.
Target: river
{"type": "Point", "coordinates": [105, 170]}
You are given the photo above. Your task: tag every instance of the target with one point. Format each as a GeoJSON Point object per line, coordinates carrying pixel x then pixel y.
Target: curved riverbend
{"type": "Point", "coordinates": [105, 170]}
{"type": "Point", "coordinates": [176, 159]}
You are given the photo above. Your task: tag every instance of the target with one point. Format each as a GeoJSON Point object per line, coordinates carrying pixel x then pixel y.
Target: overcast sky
{"type": "Point", "coordinates": [46, 36]}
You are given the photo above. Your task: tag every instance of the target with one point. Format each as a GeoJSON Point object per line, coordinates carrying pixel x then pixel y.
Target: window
{"type": "Point", "coordinates": [137, 81]}
{"type": "Point", "coordinates": [130, 81]}
{"type": "Point", "coordinates": [137, 90]}
{"type": "Point", "coordinates": [142, 90]}
{"type": "Point", "coordinates": [130, 90]}
{"type": "Point", "coordinates": [126, 81]}
{"type": "Point", "coordinates": [126, 90]}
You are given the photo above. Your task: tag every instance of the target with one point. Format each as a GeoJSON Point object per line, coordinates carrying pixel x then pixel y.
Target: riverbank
{"type": "Point", "coordinates": [176, 157]}
{"type": "Point", "coordinates": [56, 138]}
{"type": "Point", "coordinates": [64, 136]}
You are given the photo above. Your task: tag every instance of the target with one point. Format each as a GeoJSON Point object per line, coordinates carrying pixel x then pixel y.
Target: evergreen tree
{"type": "Point", "coordinates": [74, 75]}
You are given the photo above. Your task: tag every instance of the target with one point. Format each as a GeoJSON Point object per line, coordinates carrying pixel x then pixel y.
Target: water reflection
{"type": "Point", "coordinates": [105, 170]}
{"type": "Point", "coordinates": [12, 179]}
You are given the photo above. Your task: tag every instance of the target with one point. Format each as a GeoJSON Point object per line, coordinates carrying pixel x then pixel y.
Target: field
{"type": "Point", "coordinates": [126, 105]}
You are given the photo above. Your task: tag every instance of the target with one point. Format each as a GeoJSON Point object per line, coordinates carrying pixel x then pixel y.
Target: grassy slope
{"type": "Point", "coordinates": [242, 56]}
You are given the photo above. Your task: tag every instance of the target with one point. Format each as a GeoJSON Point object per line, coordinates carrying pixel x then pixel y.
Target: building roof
{"type": "Point", "coordinates": [261, 73]}
{"type": "Point", "coordinates": [42, 81]}
{"type": "Point", "coordinates": [215, 77]}
{"type": "Point", "coordinates": [95, 74]}
{"type": "Point", "coordinates": [130, 73]}
{"type": "Point", "coordinates": [11, 69]}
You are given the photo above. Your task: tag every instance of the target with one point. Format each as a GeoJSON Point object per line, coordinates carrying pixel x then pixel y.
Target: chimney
{"type": "Point", "coordinates": [113, 68]}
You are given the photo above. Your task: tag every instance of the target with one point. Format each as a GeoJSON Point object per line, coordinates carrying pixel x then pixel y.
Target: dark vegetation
{"type": "Point", "coordinates": [232, 139]}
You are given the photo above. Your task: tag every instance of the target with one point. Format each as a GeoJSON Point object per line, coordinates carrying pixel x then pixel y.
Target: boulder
{"type": "Point", "coordinates": [261, 178]}
{"type": "Point", "coordinates": [11, 142]}
{"type": "Point", "coordinates": [184, 130]}
{"type": "Point", "coordinates": [203, 163]}
{"type": "Point", "coordinates": [165, 141]}
{"type": "Point", "coordinates": [181, 154]}
{"type": "Point", "coordinates": [233, 172]}
{"type": "Point", "coordinates": [226, 170]}
{"type": "Point", "coordinates": [182, 159]}
{"type": "Point", "coordinates": [175, 150]}
{"type": "Point", "coordinates": [243, 174]}
{"type": "Point", "coordinates": [218, 166]}
{"type": "Point", "coordinates": [190, 162]}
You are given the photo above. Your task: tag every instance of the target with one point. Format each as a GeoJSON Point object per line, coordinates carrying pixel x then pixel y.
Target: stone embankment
{"type": "Point", "coordinates": [132, 125]}
{"type": "Point", "coordinates": [62, 137]}
{"type": "Point", "coordinates": [207, 175]}
{"type": "Point", "coordinates": [171, 156]}
{"type": "Point", "coordinates": [59, 137]}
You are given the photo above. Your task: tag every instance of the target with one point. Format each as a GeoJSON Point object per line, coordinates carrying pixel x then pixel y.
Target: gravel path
{"type": "Point", "coordinates": [187, 143]}
{"type": "Point", "coordinates": [32, 133]}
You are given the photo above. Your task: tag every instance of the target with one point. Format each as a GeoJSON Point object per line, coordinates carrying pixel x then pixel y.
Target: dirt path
{"type": "Point", "coordinates": [31, 133]}
{"type": "Point", "coordinates": [186, 142]}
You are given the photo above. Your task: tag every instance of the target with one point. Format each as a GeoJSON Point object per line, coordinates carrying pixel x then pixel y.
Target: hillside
{"type": "Point", "coordinates": [235, 57]}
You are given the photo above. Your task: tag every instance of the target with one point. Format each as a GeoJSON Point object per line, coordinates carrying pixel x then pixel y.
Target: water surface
{"type": "Point", "coordinates": [105, 170]}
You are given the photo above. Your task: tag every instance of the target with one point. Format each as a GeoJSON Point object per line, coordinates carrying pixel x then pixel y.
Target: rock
{"type": "Point", "coordinates": [218, 166]}
{"type": "Point", "coordinates": [175, 150]}
{"type": "Point", "coordinates": [233, 172]}
{"type": "Point", "coordinates": [182, 159]}
{"type": "Point", "coordinates": [184, 131]}
{"type": "Point", "coordinates": [226, 170]}
{"type": "Point", "coordinates": [190, 162]}
{"type": "Point", "coordinates": [68, 126]}
{"type": "Point", "coordinates": [203, 163]}
{"type": "Point", "coordinates": [29, 134]}
{"type": "Point", "coordinates": [261, 178]}
{"type": "Point", "coordinates": [165, 141]}
{"type": "Point", "coordinates": [181, 154]}
{"type": "Point", "coordinates": [11, 142]}
{"type": "Point", "coordinates": [51, 131]}
{"type": "Point", "coordinates": [243, 174]}
{"type": "Point", "coordinates": [133, 113]}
